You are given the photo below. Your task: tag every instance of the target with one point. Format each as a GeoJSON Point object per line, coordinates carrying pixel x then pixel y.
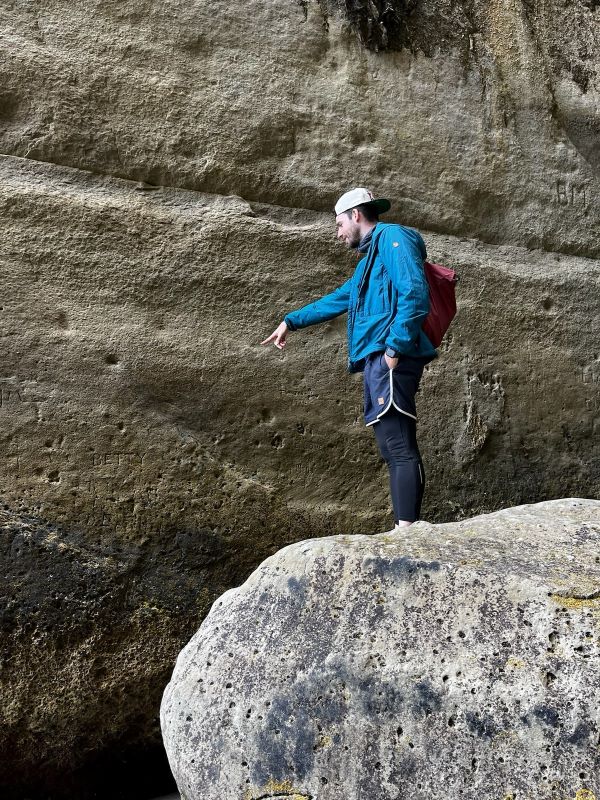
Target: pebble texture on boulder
{"type": "Point", "coordinates": [449, 661]}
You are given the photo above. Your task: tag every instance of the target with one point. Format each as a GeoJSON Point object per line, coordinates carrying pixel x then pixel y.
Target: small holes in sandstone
{"type": "Point", "coordinates": [188, 719]}
{"type": "Point", "coordinates": [444, 678]}
{"type": "Point", "coordinates": [228, 685]}
{"type": "Point", "coordinates": [411, 745]}
{"type": "Point", "coordinates": [399, 731]}
{"type": "Point", "coordinates": [54, 476]}
{"type": "Point", "coordinates": [324, 780]}
{"type": "Point", "coordinates": [451, 722]}
{"type": "Point", "coordinates": [549, 678]}
{"type": "Point", "coordinates": [232, 704]}
{"type": "Point", "coordinates": [111, 358]}
{"type": "Point", "coordinates": [462, 634]}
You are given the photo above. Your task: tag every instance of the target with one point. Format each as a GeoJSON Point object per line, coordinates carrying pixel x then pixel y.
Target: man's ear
{"type": "Point", "coordinates": [356, 215]}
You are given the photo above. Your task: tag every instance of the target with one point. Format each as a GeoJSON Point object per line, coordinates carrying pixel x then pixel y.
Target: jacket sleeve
{"type": "Point", "coordinates": [403, 254]}
{"type": "Point", "coordinates": [327, 307]}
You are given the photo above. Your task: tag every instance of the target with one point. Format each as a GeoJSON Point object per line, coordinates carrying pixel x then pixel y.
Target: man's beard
{"type": "Point", "coordinates": [354, 239]}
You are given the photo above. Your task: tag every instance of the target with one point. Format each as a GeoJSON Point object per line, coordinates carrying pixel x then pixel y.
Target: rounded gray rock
{"type": "Point", "coordinates": [452, 660]}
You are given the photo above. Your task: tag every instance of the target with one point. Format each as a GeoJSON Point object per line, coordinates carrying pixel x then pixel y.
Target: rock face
{"type": "Point", "coordinates": [477, 117]}
{"type": "Point", "coordinates": [455, 660]}
{"type": "Point", "coordinates": [165, 171]}
{"type": "Point", "coordinates": [143, 421]}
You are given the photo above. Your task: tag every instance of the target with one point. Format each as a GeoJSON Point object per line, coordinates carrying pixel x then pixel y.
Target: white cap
{"type": "Point", "coordinates": [358, 197]}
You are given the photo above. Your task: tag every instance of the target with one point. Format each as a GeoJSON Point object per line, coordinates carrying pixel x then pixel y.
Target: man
{"type": "Point", "coordinates": [387, 301]}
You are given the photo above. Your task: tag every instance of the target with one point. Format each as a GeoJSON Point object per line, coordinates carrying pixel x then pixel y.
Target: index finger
{"type": "Point", "coordinates": [268, 339]}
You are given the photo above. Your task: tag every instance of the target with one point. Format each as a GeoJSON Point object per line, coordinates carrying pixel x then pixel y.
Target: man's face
{"type": "Point", "coordinates": [347, 229]}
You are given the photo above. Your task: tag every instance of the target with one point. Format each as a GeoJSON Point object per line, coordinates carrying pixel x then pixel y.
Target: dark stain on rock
{"type": "Point", "coordinates": [400, 568]}
{"type": "Point", "coordinates": [380, 697]}
{"type": "Point", "coordinates": [484, 727]}
{"type": "Point", "coordinates": [396, 24]}
{"type": "Point", "coordinates": [581, 734]}
{"type": "Point", "coordinates": [547, 715]}
{"type": "Point", "coordinates": [292, 727]}
{"type": "Point", "coordinates": [297, 586]}
{"type": "Point", "coordinates": [427, 699]}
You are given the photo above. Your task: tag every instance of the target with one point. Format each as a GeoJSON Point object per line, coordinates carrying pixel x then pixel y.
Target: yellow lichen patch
{"type": "Point", "coordinates": [324, 741]}
{"type": "Point", "coordinates": [576, 602]}
{"type": "Point", "coordinates": [514, 663]}
{"type": "Point", "coordinates": [508, 797]}
{"type": "Point", "coordinates": [278, 787]}
{"type": "Point", "coordinates": [585, 794]}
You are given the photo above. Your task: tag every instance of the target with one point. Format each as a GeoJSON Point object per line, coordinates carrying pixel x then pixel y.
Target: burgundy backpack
{"type": "Point", "coordinates": [442, 301]}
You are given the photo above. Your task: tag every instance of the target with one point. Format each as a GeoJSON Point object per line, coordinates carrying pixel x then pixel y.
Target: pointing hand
{"type": "Point", "coordinates": [278, 336]}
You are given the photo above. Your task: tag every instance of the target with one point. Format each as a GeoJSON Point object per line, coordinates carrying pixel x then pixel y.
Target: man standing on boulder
{"type": "Point", "coordinates": [387, 301]}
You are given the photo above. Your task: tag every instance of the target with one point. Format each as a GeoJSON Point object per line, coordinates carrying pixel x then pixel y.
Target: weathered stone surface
{"type": "Point", "coordinates": [486, 123]}
{"type": "Point", "coordinates": [456, 660]}
{"type": "Point", "coordinates": [136, 397]}
{"type": "Point", "coordinates": [141, 418]}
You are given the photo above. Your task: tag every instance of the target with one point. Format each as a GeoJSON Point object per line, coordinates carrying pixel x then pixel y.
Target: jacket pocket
{"type": "Point", "coordinates": [376, 295]}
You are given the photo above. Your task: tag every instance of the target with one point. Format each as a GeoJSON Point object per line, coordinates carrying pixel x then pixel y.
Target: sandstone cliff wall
{"type": "Point", "coordinates": [479, 118]}
{"type": "Point", "coordinates": [140, 418]}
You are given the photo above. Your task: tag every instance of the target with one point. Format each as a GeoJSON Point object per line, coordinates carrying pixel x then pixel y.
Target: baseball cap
{"type": "Point", "coordinates": [358, 197]}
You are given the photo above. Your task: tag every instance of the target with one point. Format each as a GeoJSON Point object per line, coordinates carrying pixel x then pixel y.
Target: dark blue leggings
{"type": "Point", "coordinates": [396, 436]}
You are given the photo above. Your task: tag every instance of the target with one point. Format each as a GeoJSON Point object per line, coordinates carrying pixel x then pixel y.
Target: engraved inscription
{"type": "Point", "coordinates": [9, 394]}
{"type": "Point", "coordinates": [572, 194]}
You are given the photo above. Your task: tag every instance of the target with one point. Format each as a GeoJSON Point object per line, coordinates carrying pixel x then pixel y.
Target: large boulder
{"type": "Point", "coordinates": [448, 661]}
{"type": "Point", "coordinates": [477, 117]}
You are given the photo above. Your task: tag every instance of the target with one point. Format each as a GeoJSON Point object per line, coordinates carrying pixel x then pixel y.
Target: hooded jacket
{"type": "Point", "coordinates": [387, 299]}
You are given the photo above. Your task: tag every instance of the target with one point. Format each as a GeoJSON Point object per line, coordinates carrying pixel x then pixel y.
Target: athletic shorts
{"type": "Point", "coordinates": [385, 387]}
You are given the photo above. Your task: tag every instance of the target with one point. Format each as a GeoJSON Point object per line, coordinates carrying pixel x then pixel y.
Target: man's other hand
{"type": "Point", "coordinates": [391, 362]}
{"type": "Point", "coordinates": [278, 336]}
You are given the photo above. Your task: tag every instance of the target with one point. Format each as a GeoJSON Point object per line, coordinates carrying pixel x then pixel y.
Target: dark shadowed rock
{"type": "Point", "coordinates": [454, 660]}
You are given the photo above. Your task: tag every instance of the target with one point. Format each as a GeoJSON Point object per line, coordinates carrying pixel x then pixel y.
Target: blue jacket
{"type": "Point", "coordinates": [387, 299]}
